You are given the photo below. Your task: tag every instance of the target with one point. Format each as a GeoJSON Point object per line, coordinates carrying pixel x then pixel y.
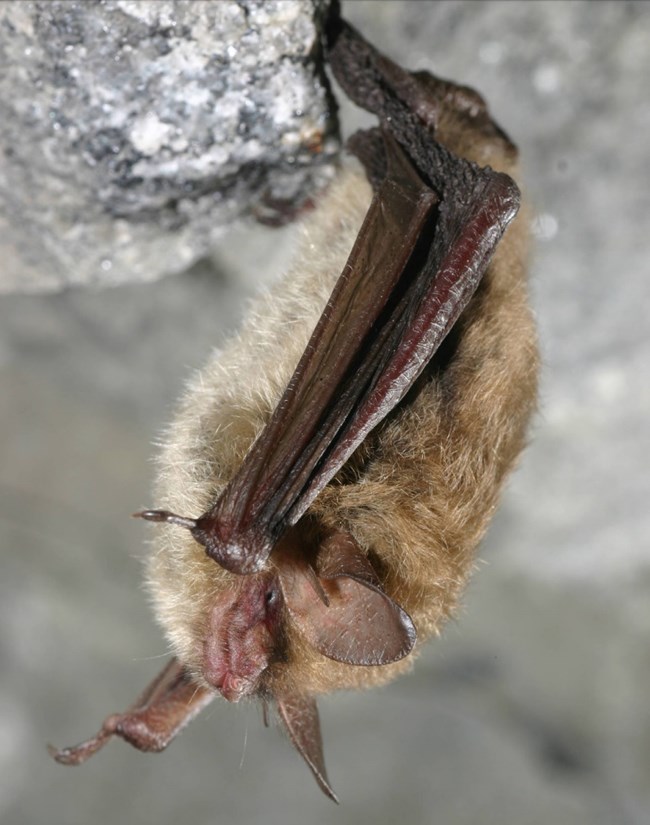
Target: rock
{"type": "Point", "coordinates": [134, 132]}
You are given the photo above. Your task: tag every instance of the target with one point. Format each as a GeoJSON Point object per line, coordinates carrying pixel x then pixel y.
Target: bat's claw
{"type": "Point", "coordinates": [78, 754]}
{"type": "Point", "coordinates": [167, 517]}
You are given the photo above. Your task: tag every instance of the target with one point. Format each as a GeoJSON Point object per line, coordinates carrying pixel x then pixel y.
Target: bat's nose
{"type": "Point", "coordinates": [234, 687]}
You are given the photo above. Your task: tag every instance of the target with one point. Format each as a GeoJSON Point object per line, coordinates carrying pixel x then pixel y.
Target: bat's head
{"type": "Point", "coordinates": [300, 626]}
{"type": "Point", "coordinates": [318, 587]}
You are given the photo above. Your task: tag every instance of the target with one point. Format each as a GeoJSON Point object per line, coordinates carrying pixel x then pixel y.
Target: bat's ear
{"type": "Point", "coordinates": [300, 717]}
{"type": "Point", "coordinates": [345, 614]}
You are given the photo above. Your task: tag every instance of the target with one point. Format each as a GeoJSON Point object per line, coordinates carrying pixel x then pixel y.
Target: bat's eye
{"type": "Point", "coordinates": [272, 601]}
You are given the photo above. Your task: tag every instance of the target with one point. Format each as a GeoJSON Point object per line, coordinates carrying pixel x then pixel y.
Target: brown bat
{"type": "Point", "coordinates": [340, 458]}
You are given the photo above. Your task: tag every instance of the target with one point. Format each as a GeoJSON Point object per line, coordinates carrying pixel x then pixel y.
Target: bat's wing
{"type": "Point", "coordinates": [292, 459]}
{"type": "Point", "coordinates": [427, 239]}
{"type": "Point", "coordinates": [168, 704]}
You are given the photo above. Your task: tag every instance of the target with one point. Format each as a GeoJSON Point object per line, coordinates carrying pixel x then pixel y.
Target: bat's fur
{"type": "Point", "coordinates": [420, 492]}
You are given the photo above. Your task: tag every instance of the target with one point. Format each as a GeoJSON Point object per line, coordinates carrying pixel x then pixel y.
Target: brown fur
{"type": "Point", "coordinates": [418, 496]}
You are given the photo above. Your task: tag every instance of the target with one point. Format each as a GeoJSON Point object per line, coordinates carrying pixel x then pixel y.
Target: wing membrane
{"type": "Point", "coordinates": [425, 243]}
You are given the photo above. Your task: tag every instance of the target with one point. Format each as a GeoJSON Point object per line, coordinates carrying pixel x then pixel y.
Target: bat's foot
{"type": "Point", "coordinates": [78, 754]}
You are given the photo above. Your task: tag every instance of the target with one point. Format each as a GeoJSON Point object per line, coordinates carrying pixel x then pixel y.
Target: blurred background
{"type": "Point", "coordinates": [533, 708]}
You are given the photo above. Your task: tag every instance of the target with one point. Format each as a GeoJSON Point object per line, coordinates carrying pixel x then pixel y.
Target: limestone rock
{"type": "Point", "coordinates": [134, 132]}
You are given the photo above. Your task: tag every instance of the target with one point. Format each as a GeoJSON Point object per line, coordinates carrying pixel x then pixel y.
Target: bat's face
{"type": "Point", "coordinates": [319, 600]}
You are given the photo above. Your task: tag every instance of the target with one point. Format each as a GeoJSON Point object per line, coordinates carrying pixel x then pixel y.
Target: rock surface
{"type": "Point", "coordinates": [532, 709]}
{"type": "Point", "coordinates": [134, 132]}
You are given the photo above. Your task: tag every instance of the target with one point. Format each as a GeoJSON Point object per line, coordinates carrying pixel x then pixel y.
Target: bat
{"type": "Point", "coordinates": [331, 470]}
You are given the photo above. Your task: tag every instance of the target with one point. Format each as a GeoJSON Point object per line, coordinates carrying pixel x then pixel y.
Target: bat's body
{"type": "Point", "coordinates": [422, 491]}
{"type": "Point", "coordinates": [321, 586]}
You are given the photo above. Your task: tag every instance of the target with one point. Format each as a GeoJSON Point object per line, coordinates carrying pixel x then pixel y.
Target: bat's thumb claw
{"type": "Point", "coordinates": [167, 517]}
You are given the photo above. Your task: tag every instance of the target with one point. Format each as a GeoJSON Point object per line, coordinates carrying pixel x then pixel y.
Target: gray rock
{"type": "Point", "coordinates": [133, 132]}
